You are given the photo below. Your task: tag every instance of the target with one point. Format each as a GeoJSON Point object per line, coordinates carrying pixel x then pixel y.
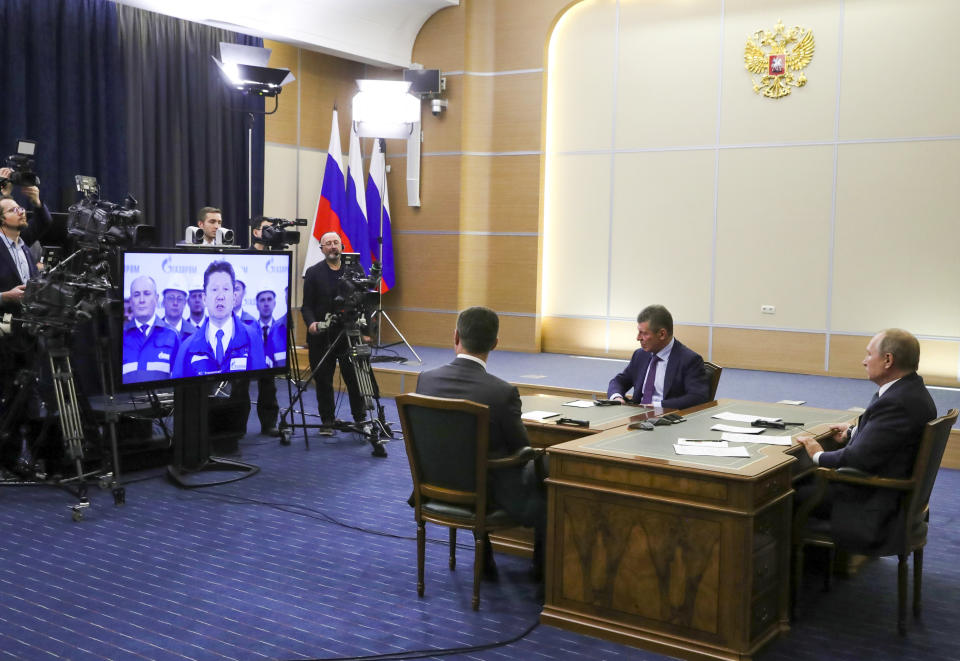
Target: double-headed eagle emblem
{"type": "Point", "coordinates": [779, 58]}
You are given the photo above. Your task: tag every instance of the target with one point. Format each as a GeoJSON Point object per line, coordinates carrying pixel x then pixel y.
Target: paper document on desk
{"type": "Point", "coordinates": [581, 404]}
{"type": "Point", "coordinates": [793, 402]}
{"type": "Point", "coordinates": [738, 430]}
{"type": "Point", "coordinates": [698, 451]}
{"type": "Point", "coordinates": [747, 438]}
{"type": "Point", "coordinates": [707, 444]}
{"type": "Point", "coordinates": [538, 416]}
{"type": "Point", "coordinates": [740, 417]}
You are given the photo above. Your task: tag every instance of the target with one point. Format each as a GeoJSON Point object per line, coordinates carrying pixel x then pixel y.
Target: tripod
{"type": "Point", "coordinates": [375, 429]}
{"type": "Point", "coordinates": [71, 426]}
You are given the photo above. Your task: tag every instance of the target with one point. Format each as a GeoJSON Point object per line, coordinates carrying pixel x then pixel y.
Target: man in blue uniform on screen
{"type": "Point", "coordinates": [149, 345]}
{"type": "Point", "coordinates": [222, 343]}
{"type": "Point", "coordinates": [174, 301]}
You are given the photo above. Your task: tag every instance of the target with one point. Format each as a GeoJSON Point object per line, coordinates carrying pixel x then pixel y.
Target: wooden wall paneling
{"type": "Point", "coordinates": [577, 336]}
{"type": "Point", "coordinates": [519, 333]}
{"type": "Point", "coordinates": [326, 80]}
{"type": "Point", "coordinates": [499, 272]}
{"type": "Point", "coordinates": [501, 193]}
{"type": "Point", "coordinates": [440, 43]}
{"type": "Point", "coordinates": [281, 126]}
{"type": "Point", "coordinates": [432, 329]}
{"type": "Point", "coordinates": [439, 195]}
{"type": "Point", "coordinates": [938, 359]}
{"type": "Point", "coordinates": [951, 456]}
{"type": "Point", "coordinates": [774, 351]}
{"type": "Point", "coordinates": [427, 267]}
{"type": "Point", "coordinates": [521, 30]}
{"type": "Point", "coordinates": [846, 355]}
{"type": "Point", "coordinates": [504, 113]}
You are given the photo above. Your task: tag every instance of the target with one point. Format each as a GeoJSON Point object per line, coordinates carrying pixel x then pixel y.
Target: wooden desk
{"type": "Point", "coordinates": [519, 541]}
{"type": "Point", "coordinates": [601, 418]}
{"type": "Point", "coordinates": [686, 556]}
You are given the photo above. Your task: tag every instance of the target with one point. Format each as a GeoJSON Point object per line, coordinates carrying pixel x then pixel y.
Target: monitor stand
{"type": "Point", "coordinates": [192, 464]}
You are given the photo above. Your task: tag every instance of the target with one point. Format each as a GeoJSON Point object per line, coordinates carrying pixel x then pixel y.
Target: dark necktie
{"type": "Point", "coordinates": [873, 400]}
{"type": "Point", "coordinates": [648, 383]}
{"type": "Point", "coordinates": [143, 330]}
{"type": "Point", "coordinates": [220, 346]}
{"type": "Point", "coordinates": [266, 331]}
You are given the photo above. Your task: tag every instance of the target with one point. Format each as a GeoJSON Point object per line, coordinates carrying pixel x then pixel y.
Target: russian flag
{"type": "Point", "coordinates": [355, 223]}
{"type": "Point", "coordinates": [375, 182]}
{"type": "Point", "coordinates": [332, 203]}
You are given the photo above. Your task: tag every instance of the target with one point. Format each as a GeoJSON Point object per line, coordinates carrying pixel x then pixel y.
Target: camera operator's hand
{"type": "Point", "coordinates": [14, 295]}
{"type": "Point", "coordinates": [8, 186]}
{"type": "Point", "coordinates": [32, 193]}
{"type": "Point", "coordinates": [318, 326]}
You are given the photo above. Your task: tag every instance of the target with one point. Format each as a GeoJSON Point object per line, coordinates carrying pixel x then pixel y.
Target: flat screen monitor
{"type": "Point", "coordinates": [193, 314]}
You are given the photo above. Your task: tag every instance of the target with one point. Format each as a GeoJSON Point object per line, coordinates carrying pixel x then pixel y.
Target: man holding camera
{"type": "Point", "coordinates": [17, 264]}
{"type": "Point", "coordinates": [323, 332]}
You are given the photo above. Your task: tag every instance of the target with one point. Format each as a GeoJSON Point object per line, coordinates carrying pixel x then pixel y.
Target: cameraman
{"type": "Point", "coordinates": [17, 265]}
{"type": "Point", "coordinates": [319, 290]}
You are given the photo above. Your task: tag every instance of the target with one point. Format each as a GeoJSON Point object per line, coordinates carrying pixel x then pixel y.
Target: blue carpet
{"type": "Point", "coordinates": [314, 557]}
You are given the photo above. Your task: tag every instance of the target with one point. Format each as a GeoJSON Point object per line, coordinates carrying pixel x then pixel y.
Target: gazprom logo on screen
{"type": "Point", "coordinates": [169, 267]}
{"type": "Point", "coordinates": [273, 267]}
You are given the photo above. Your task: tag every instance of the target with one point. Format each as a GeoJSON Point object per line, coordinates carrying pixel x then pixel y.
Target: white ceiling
{"type": "Point", "coordinates": [378, 32]}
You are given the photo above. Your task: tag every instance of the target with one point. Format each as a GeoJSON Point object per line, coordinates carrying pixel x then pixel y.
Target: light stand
{"type": "Point", "coordinates": [380, 312]}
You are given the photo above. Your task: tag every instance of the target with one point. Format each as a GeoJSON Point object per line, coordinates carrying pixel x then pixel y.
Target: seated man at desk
{"type": "Point", "coordinates": [662, 372]}
{"type": "Point", "coordinates": [516, 490]}
{"type": "Point", "coordinates": [884, 442]}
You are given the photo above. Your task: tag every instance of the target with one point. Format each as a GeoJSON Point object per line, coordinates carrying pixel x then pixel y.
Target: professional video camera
{"type": "Point", "coordinates": [356, 294]}
{"type": "Point", "coordinates": [96, 223]}
{"type": "Point", "coordinates": [275, 235]}
{"type": "Point", "coordinates": [22, 165]}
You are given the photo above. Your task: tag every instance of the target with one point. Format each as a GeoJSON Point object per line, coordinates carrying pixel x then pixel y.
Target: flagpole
{"type": "Point", "coordinates": [380, 311]}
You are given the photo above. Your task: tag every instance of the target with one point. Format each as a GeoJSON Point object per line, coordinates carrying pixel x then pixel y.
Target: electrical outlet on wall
{"type": "Point", "coordinates": [768, 309]}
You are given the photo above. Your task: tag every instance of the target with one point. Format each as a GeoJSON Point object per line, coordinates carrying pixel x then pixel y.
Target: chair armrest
{"type": "Point", "coordinates": [518, 458]}
{"type": "Point", "coordinates": [848, 475]}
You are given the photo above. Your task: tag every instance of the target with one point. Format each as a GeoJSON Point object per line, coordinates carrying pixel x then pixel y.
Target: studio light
{"type": "Point", "coordinates": [245, 69]}
{"type": "Point", "coordinates": [385, 109]}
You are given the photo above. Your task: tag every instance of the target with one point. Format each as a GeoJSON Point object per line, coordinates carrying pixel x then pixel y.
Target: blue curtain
{"type": "Point", "coordinates": [187, 131]}
{"type": "Point", "coordinates": [63, 86]}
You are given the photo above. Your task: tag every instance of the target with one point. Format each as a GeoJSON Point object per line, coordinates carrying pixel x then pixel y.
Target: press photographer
{"type": "Point", "coordinates": [20, 228]}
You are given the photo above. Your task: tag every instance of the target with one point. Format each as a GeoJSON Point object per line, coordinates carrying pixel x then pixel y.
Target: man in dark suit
{"type": "Point", "coordinates": [663, 372]}
{"type": "Point", "coordinates": [17, 266]}
{"type": "Point", "coordinates": [516, 490]}
{"type": "Point", "coordinates": [884, 442]}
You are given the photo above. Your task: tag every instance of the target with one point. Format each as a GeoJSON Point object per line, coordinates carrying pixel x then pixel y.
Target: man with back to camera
{"type": "Point", "coordinates": [516, 490]}
{"type": "Point", "coordinates": [319, 289]}
{"type": "Point", "coordinates": [222, 343]}
{"type": "Point", "coordinates": [174, 300]}
{"type": "Point", "coordinates": [662, 372]}
{"type": "Point", "coordinates": [209, 220]}
{"type": "Point", "coordinates": [149, 346]}
{"type": "Point", "coordinates": [884, 442]}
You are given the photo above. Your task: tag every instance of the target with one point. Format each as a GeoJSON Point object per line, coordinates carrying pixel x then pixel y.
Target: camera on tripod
{"type": "Point", "coordinates": [96, 223]}
{"type": "Point", "coordinates": [357, 292]}
{"type": "Point", "coordinates": [276, 236]}
{"type": "Point", "coordinates": [22, 164]}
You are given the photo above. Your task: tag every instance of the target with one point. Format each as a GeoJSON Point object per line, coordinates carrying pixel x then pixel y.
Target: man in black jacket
{"type": "Point", "coordinates": [884, 442]}
{"type": "Point", "coordinates": [516, 490]}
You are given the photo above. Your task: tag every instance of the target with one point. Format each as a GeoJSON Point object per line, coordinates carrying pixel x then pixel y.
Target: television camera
{"type": "Point", "coordinates": [276, 236]}
{"type": "Point", "coordinates": [22, 164]}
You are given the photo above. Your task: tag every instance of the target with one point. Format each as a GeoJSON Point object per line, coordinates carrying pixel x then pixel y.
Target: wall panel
{"type": "Point", "coordinates": [501, 193]}
{"type": "Point", "coordinates": [281, 126]}
{"type": "Point", "coordinates": [499, 272]}
{"type": "Point", "coordinates": [503, 113]}
{"type": "Point", "coordinates": [774, 351]}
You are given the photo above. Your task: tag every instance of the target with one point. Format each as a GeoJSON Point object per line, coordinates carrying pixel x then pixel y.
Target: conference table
{"type": "Point", "coordinates": [682, 555]}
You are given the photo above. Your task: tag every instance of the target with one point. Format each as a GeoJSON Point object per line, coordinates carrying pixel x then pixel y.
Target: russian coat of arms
{"type": "Point", "coordinates": [778, 58]}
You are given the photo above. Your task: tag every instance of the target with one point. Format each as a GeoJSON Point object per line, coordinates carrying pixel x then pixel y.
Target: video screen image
{"type": "Point", "coordinates": [191, 313]}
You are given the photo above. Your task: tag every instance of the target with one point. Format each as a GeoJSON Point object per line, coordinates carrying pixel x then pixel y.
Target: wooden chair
{"type": "Point", "coordinates": [446, 441]}
{"type": "Point", "coordinates": [712, 372]}
{"type": "Point", "coordinates": [912, 520]}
